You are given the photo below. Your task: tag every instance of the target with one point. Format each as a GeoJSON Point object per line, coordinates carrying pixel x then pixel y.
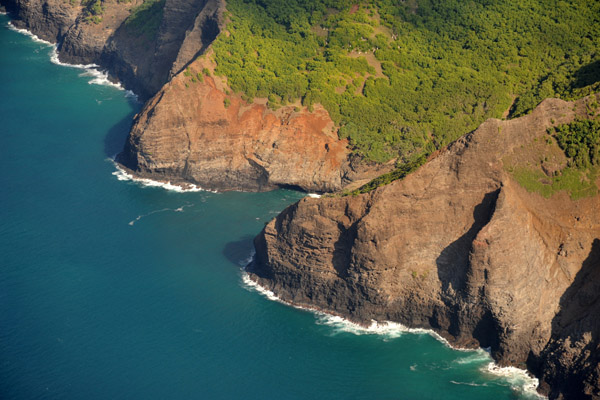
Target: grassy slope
{"type": "Point", "coordinates": [567, 160]}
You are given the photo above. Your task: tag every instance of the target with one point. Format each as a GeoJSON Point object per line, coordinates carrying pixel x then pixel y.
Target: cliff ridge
{"type": "Point", "coordinates": [458, 246]}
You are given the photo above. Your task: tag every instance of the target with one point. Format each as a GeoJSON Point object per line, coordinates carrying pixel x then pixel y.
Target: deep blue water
{"type": "Point", "coordinates": [111, 290]}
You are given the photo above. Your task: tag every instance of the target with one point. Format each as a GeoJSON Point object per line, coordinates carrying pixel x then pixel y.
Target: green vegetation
{"type": "Point", "coordinates": [400, 172]}
{"type": "Point", "coordinates": [198, 77]}
{"type": "Point", "coordinates": [145, 19]}
{"type": "Point", "coordinates": [93, 10]}
{"type": "Point", "coordinates": [403, 78]}
{"type": "Point", "coordinates": [226, 102]}
{"type": "Point", "coordinates": [576, 182]}
{"type": "Point", "coordinates": [580, 142]}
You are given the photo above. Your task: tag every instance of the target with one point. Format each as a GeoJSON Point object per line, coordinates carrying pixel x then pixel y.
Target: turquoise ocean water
{"type": "Point", "coordinates": [113, 290]}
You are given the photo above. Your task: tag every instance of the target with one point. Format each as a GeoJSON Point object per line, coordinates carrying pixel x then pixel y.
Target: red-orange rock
{"type": "Point", "coordinates": [188, 134]}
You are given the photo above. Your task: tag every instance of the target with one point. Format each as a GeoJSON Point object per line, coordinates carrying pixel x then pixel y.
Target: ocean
{"type": "Point", "coordinates": [115, 289]}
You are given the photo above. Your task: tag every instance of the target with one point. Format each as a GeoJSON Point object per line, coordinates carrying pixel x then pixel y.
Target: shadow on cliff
{"type": "Point", "coordinates": [453, 261]}
{"type": "Point", "coordinates": [575, 337]}
{"type": "Point", "coordinates": [238, 252]}
{"type": "Point", "coordinates": [115, 139]}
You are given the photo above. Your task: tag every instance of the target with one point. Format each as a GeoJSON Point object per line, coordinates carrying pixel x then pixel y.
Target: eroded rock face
{"type": "Point", "coordinates": [185, 134]}
{"type": "Point", "coordinates": [143, 64]}
{"type": "Point", "coordinates": [48, 19]}
{"type": "Point", "coordinates": [458, 246]}
{"type": "Point", "coordinates": [192, 131]}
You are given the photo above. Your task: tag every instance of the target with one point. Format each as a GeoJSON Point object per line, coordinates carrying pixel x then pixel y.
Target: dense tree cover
{"type": "Point", "coordinates": [402, 78]}
{"type": "Point", "coordinates": [580, 140]}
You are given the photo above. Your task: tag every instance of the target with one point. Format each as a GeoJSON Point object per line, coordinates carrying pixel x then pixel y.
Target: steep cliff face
{"type": "Point", "coordinates": [142, 59]}
{"type": "Point", "coordinates": [48, 19]}
{"type": "Point", "coordinates": [458, 246]}
{"type": "Point", "coordinates": [192, 131]}
{"type": "Point", "coordinates": [185, 133]}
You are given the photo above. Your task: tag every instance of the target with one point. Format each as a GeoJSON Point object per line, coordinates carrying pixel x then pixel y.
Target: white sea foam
{"type": "Point", "coordinates": [339, 324]}
{"type": "Point", "coordinates": [99, 77]}
{"type": "Point", "coordinates": [478, 356]}
{"type": "Point", "coordinates": [123, 175]}
{"type": "Point", "coordinates": [25, 32]}
{"type": "Point", "coordinates": [251, 285]}
{"type": "Point", "coordinates": [55, 60]}
{"type": "Point", "coordinates": [314, 195]}
{"type": "Point", "coordinates": [518, 379]}
{"type": "Point", "coordinates": [139, 217]}
{"type": "Point", "coordinates": [469, 383]}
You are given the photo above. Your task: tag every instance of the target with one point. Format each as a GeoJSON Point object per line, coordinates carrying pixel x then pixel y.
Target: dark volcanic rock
{"type": "Point", "coordinates": [458, 246]}
{"type": "Point", "coordinates": [143, 64]}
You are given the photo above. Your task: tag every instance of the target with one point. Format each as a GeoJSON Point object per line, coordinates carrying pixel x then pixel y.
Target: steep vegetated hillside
{"type": "Point", "coordinates": [401, 78]}
{"type": "Point", "coordinates": [492, 240]}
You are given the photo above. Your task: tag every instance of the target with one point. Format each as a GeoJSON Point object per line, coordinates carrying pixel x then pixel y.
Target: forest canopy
{"type": "Point", "coordinates": [402, 78]}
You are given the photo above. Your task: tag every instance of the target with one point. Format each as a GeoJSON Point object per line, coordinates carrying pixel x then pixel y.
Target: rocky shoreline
{"type": "Point", "coordinates": [142, 64]}
{"type": "Point", "coordinates": [192, 130]}
{"type": "Point", "coordinates": [458, 247]}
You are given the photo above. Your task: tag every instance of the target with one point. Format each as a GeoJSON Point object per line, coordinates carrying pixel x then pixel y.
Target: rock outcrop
{"type": "Point", "coordinates": [460, 247]}
{"type": "Point", "coordinates": [185, 134]}
{"type": "Point", "coordinates": [143, 61]}
{"type": "Point", "coordinates": [192, 131]}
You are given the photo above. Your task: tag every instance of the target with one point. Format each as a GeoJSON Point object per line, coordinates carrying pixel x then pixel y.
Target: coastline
{"type": "Point", "coordinates": [519, 379]}
{"type": "Point", "coordinates": [100, 77]}
{"type": "Point", "coordinates": [378, 328]}
{"type": "Point", "coordinates": [94, 71]}
{"type": "Point", "coordinates": [122, 175]}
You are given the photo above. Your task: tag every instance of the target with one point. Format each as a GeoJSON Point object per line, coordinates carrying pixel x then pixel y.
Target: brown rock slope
{"type": "Point", "coordinates": [193, 132]}
{"type": "Point", "coordinates": [460, 247]}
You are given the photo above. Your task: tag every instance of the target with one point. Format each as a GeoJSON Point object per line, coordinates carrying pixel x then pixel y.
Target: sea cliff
{"type": "Point", "coordinates": [143, 56]}
{"type": "Point", "coordinates": [196, 131]}
{"type": "Point", "coordinates": [193, 130]}
{"type": "Point", "coordinates": [459, 247]}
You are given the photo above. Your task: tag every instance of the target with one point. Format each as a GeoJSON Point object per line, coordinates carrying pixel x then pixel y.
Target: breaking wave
{"type": "Point", "coordinates": [25, 32]}
{"type": "Point", "coordinates": [519, 380]}
{"type": "Point", "coordinates": [93, 71]}
{"type": "Point", "coordinates": [123, 175]}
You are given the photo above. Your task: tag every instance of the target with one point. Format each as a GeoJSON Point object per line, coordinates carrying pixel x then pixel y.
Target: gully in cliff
{"type": "Point", "coordinates": [461, 247]}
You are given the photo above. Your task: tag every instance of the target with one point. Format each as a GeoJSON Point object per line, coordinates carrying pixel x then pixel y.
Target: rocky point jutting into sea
{"type": "Point", "coordinates": [185, 134]}
{"type": "Point", "coordinates": [457, 246]}
{"type": "Point", "coordinates": [142, 63]}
